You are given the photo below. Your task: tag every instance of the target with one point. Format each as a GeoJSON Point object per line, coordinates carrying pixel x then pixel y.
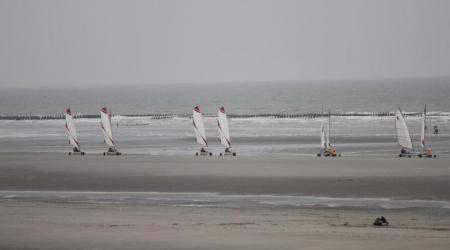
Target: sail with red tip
{"type": "Point", "coordinates": [222, 126]}
{"type": "Point", "coordinates": [199, 127]}
{"type": "Point", "coordinates": [71, 130]}
{"type": "Point", "coordinates": [105, 117]}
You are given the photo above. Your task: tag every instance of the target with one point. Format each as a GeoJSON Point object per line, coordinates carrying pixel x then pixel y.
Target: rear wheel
{"type": "Point", "coordinates": [196, 154]}
{"type": "Point", "coordinates": [234, 154]}
{"type": "Point", "coordinates": [210, 154]}
{"type": "Point", "coordinates": [104, 153]}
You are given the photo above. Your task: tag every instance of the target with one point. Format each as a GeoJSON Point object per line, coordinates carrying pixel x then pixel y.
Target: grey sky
{"type": "Point", "coordinates": [117, 42]}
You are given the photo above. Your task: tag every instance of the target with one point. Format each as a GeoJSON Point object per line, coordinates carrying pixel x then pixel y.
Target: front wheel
{"type": "Point", "coordinates": [234, 154]}
{"type": "Point", "coordinates": [210, 154]}
{"type": "Point", "coordinates": [196, 154]}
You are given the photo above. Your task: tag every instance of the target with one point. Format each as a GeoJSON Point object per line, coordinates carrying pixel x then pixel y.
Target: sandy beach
{"type": "Point", "coordinates": [56, 224]}
{"type": "Point", "coordinates": [30, 225]}
{"type": "Point", "coordinates": [335, 177]}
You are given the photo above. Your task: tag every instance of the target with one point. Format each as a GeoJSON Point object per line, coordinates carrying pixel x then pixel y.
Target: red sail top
{"type": "Point", "coordinates": [104, 110]}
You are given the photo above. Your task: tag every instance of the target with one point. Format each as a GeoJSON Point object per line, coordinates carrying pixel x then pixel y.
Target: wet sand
{"type": "Point", "coordinates": [337, 177]}
{"type": "Point", "coordinates": [55, 225]}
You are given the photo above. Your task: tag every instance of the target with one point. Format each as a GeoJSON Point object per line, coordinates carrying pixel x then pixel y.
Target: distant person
{"type": "Point", "coordinates": [436, 130]}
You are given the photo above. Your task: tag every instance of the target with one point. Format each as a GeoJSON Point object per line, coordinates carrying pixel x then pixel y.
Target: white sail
{"type": "Point", "coordinates": [327, 137]}
{"type": "Point", "coordinates": [70, 129]}
{"type": "Point", "coordinates": [106, 126]}
{"type": "Point", "coordinates": [322, 135]}
{"type": "Point", "coordinates": [222, 125]}
{"type": "Point", "coordinates": [404, 139]}
{"type": "Point", "coordinates": [422, 131]}
{"type": "Point", "coordinates": [199, 127]}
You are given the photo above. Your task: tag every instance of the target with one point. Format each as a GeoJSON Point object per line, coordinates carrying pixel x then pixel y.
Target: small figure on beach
{"type": "Point", "coordinates": [381, 221]}
{"type": "Point", "coordinates": [436, 130]}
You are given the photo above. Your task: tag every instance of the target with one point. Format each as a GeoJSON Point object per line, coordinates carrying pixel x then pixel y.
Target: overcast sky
{"type": "Point", "coordinates": [60, 42]}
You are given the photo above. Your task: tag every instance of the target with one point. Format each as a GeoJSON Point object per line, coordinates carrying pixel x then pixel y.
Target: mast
{"type": "Point", "coordinates": [329, 128]}
{"type": "Point", "coordinates": [424, 128]}
{"type": "Point", "coordinates": [322, 133]}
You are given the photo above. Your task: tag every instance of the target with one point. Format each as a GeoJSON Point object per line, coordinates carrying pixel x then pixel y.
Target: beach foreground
{"type": "Point", "coordinates": [33, 225]}
{"type": "Point", "coordinates": [96, 202]}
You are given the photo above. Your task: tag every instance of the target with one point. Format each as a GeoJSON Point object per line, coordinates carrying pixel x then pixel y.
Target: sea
{"type": "Point", "coordinates": [267, 118]}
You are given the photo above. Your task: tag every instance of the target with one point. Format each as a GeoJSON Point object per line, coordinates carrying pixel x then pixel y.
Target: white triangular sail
{"type": "Point", "coordinates": [199, 127]}
{"type": "Point", "coordinates": [222, 126]}
{"type": "Point", "coordinates": [327, 136]}
{"type": "Point", "coordinates": [106, 127]}
{"type": "Point", "coordinates": [71, 130]}
{"type": "Point", "coordinates": [404, 139]}
{"type": "Point", "coordinates": [423, 129]}
{"type": "Point", "coordinates": [322, 135]}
